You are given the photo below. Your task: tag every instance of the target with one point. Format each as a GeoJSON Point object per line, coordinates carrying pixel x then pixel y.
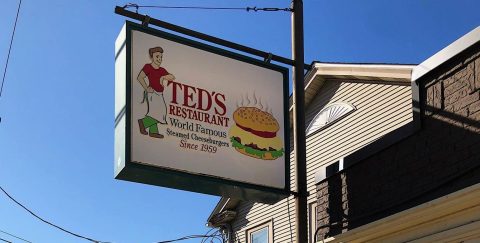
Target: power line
{"type": "Point", "coordinates": [208, 232]}
{"type": "Point", "coordinates": [5, 240]}
{"type": "Point", "coordinates": [10, 47]}
{"type": "Point", "coordinates": [216, 235]}
{"type": "Point", "coordinates": [12, 235]}
{"type": "Point", "coordinates": [45, 221]}
{"type": "Point", "coordinates": [213, 236]}
{"type": "Point", "coordinates": [248, 9]}
{"type": "Point", "coordinates": [193, 237]}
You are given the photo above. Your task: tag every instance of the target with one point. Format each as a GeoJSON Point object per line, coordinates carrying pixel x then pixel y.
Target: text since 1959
{"type": "Point", "coordinates": [204, 147]}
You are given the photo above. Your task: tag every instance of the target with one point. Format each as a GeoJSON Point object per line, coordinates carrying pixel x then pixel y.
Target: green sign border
{"type": "Point", "coordinates": [147, 174]}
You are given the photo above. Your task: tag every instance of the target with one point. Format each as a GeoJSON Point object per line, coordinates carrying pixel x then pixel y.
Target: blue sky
{"type": "Point", "coordinates": [57, 106]}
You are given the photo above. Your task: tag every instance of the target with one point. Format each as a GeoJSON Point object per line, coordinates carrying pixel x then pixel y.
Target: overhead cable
{"type": "Point", "coordinates": [47, 222]}
{"type": "Point", "coordinates": [5, 240]}
{"type": "Point", "coordinates": [213, 236]}
{"type": "Point", "coordinates": [10, 47]}
{"type": "Point", "coordinates": [208, 232]}
{"type": "Point", "coordinates": [14, 236]}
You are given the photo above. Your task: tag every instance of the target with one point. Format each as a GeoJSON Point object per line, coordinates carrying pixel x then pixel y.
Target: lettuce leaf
{"type": "Point", "coordinates": [275, 153]}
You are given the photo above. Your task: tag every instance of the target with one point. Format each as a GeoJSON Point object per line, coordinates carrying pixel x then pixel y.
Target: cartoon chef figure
{"type": "Point", "coordinates": [153, 93]}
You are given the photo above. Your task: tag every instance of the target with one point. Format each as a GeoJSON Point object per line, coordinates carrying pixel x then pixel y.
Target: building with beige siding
{"type": "Point", "coordinates": [393, 155]}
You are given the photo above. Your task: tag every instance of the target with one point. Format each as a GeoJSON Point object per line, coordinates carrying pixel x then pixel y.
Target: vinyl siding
{"type": "Point", "coordinates": [381, 108]}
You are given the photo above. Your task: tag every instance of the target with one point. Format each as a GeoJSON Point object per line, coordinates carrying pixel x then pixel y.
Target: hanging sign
{"type": "Point", "coordinates": [195, 117]}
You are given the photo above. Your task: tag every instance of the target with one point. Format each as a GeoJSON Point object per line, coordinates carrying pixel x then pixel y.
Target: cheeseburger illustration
{"type": "Point", "coordinates": [255, 134]}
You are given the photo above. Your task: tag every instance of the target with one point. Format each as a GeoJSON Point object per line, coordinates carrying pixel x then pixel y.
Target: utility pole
{"type": "Point", "coordinates": [301, 225]}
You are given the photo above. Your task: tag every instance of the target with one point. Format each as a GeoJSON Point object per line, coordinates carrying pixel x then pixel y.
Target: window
{"type": "Point", "coordinates": [260, 234]}
{"type": "Point", "coordinates": [328, 115]}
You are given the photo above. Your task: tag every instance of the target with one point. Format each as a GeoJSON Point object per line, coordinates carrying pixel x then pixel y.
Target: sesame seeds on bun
{"type": "Point", "coordinates": [255, 119]}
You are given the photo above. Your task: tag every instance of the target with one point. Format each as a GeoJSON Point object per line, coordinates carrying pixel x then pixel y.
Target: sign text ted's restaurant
{"type": "Point", "coordinates": [193, 107]}
{"type": "Point", "coordinates": [195, 117]}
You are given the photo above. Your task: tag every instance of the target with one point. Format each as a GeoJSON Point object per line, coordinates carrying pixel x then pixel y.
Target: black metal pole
{"type": "Point", "coordinates": [182, 30]}
{"type": "Point", "coordinates": [301, 225]}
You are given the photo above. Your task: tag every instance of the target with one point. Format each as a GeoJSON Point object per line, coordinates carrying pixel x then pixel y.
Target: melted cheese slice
{"type": "Point", "coordinates": [248, 138]}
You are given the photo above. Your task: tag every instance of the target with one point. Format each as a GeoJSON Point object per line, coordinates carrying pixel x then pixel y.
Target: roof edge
{"type": "Point", "coordinates": [218, 208]}
{"type": "Point", "coordinates": [365, 71]}
{"type": "Point", "coordinates": [446, 53]}
{"type": "Point", "coordinates": [223, 203]}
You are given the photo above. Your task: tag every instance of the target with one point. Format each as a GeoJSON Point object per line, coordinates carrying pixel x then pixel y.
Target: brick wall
{"type": "Point", "coordinates": [440, 158]}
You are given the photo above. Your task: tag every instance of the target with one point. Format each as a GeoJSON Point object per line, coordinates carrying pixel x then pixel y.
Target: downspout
{"type": "Point", "coordinates": [229, 230]}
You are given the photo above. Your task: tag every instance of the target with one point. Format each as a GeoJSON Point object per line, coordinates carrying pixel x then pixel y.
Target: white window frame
{"type": "Point", "coordinates": [250, 231]}
{"type": "Point", "coordinates": [349, 109]}
{"type": "Point", "coordinates": [312, 221]}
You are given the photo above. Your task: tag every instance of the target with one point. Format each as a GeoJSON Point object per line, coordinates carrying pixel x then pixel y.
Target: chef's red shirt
{"type": "Point", "coordinates": [154, 76]}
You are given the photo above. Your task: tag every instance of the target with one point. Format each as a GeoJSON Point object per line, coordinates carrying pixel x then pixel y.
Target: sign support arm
{"type": "Point", "coordinates": [201, 36]}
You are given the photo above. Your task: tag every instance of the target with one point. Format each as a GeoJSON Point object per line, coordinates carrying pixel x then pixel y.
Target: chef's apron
{"type": "Point", "coordinates": [156, 107]}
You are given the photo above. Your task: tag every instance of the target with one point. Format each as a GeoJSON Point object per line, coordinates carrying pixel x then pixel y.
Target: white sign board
{"type": "Point", "coordinates": [200, 111]}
